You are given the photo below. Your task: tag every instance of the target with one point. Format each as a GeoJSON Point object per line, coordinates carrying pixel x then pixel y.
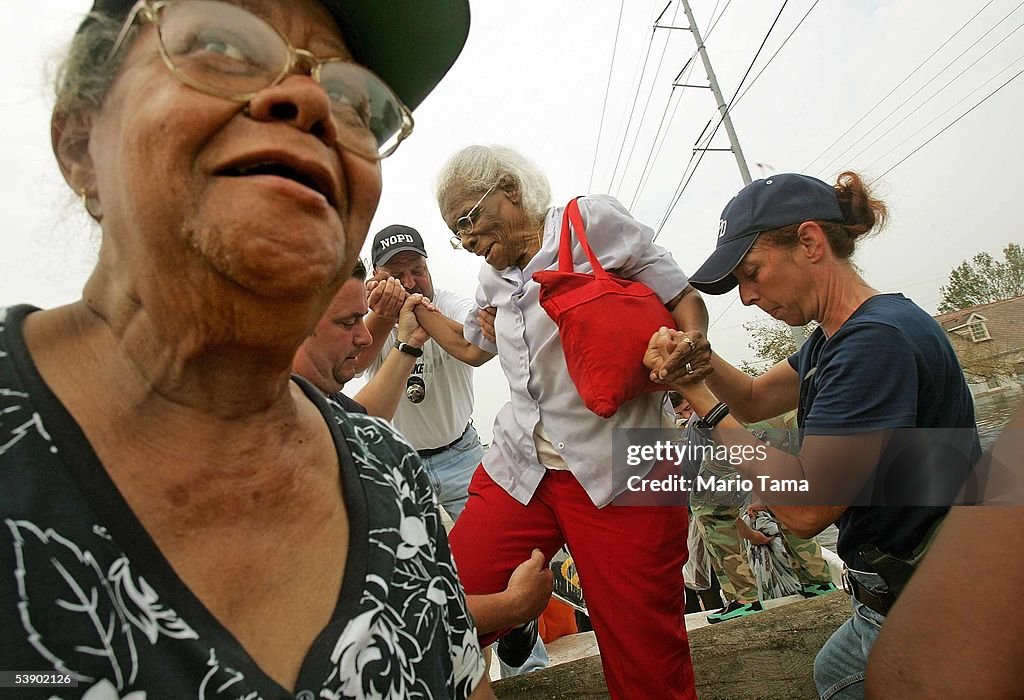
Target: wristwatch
{"type": "Point", "coordinates": [408, 349]}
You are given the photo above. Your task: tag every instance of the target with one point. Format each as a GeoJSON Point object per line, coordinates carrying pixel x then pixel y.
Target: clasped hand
{"type": "Point", "coordinates": [678, 357]}
{"type": "Point", "coordinates": [385, 295]}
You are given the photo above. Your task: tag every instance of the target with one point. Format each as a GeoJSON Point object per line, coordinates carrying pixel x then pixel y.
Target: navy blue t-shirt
{"type": "Point", "coordinates": [891, 366]}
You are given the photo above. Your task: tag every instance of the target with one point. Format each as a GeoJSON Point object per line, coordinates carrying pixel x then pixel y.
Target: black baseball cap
{"type": "Point", "coordinates": [410, 44]}
{"type": "Point", "coordinates": [395, 239]}
{"type": "Point", "coordinates": [763, 205]}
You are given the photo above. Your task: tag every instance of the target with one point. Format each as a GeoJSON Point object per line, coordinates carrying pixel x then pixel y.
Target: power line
{"type": "Point", "coordinates": [652, 155]}
{"type": "Point", "coordinates": [944, 113]}
{"type": "Point", "coordinates": [724, 311]}
{"type": "Point", "coordinates": [714, 22]}
{"type": "Point", "coordinates": [688, 66]}
{"type": "Point", "coordinates": [781, 46]}
{"type": "Point", "coordinates": [916, 92]}
{"type": "Point", "coordinates": [655, 147]}
{"type": "Point", "coordinates": [807, 167]}
{"type": "Point", "coordinates": [600, 126]}
{"type": "Point", "coordinates": [637, 79]}
{"type": "Point", "coordinates": [643, 114]}
{"type": "Point", "coordinates": [733, 326]}
{"type": "Point", "coordinates": [683, 185]}
{"type": "Point", "coordinates": [947, 127]}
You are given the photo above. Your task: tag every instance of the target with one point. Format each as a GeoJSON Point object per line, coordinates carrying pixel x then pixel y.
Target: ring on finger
{"type": "Point", "coordinates": [689, 368]}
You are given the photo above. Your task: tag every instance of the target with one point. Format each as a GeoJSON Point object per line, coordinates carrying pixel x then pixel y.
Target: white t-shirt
{"type": "Point", "coordinates": [442, 416]}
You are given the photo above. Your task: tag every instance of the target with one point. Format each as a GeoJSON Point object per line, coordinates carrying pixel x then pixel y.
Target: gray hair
{"type": "Point", "coordinates": [476, 168]}
{"type": "Point", "coordinates": [85, 75]}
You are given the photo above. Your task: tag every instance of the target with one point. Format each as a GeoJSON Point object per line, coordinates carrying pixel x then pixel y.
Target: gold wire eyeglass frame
{"type": "Point", "coordinates": [149, 11]}
{"type": "Point", "coordinates": [464, 224]}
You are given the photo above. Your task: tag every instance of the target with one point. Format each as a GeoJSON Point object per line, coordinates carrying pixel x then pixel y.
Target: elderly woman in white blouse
{"type": "Point", "coordinates": [548, 478]}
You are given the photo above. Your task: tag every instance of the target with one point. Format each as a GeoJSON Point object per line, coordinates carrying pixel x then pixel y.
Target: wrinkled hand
{"type": "Point", "coordinates": [485, 317]}
{"type": "Point", "coordinates": [530, 587]}
{"type": "Point", "coordinates": [385, 295]}
{"type": "Point", "coordinates": [669, 352]}
{"type": "Point", "coordinates": [409, 329]}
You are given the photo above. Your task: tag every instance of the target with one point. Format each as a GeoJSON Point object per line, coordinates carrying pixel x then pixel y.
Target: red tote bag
{"type": "Point", "coordinates": [604, 321]}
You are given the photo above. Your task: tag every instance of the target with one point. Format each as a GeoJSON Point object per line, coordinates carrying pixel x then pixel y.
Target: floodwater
{"type": "Point", "coordinates": [992, 414]}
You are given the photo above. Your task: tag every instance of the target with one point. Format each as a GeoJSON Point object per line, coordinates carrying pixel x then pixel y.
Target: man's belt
{"type": "Point", "coordinates": [438, 450]}
{"type": "Point", "coordinates": [881, 603]}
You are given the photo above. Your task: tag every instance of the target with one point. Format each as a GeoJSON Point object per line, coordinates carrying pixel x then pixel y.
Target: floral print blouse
{"type": "Point", "coordinates": [88, 602]}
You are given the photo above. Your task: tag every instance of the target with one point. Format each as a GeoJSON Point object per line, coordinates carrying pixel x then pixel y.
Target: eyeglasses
{"type": "Point", "coordinates": [464, 224]}
{"type": "Point", "coordinates": [223, 50]}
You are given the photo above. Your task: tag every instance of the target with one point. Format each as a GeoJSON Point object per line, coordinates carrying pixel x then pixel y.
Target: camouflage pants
{"type": "Point", "coordinates": [808, 564]}
{"type": "Point", "coordinates": [717, 526]}
{"type": "Point", "coordinates": [728, 551]}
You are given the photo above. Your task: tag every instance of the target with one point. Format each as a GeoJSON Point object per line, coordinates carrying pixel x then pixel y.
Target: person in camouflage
{"type": "Point", "coordinates": [716, 515]}
{"type": "Point", "coordinates": [723, 531]}
{"type": "Point", "coordinates": [718, 529]}
{"type": "Point", "coordinates": [810, 567]}
{"type": "Point", "coordinates": [808, 564]}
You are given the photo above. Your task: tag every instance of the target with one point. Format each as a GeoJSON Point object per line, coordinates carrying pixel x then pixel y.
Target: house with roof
{"type": "Point", "coordinates": [989, 340]}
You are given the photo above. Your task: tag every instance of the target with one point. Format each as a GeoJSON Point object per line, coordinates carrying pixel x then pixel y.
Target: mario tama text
{"type": "Point", "coordinates": [658, 468]}
{"type": "Point", "coordinates": [906, 467]}
{"type": "Point", "coordinates": [678, 455]}
{"type": "Point", "coordinates": [710, 483]}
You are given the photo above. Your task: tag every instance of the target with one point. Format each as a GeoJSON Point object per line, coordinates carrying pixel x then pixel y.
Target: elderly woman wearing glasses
{"type": "Point", "coordinates": [548, 477]}
{"type": "Point", "coordinates": [183, 518]}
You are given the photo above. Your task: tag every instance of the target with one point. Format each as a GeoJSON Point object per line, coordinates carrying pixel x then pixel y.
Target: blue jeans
{"type": "Point", "coordinates": [451, 471]}
{"type": "Point", "coordinates": [839, 666]}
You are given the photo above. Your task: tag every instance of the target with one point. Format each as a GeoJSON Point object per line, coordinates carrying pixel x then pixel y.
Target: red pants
{"type": "Point", "coordinates": [629, 560]}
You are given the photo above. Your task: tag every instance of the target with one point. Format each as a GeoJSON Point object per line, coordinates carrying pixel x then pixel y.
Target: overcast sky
{"type": "Point", "coordinates": [534, 75]}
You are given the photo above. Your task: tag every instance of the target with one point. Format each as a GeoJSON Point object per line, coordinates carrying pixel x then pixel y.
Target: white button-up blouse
{"type": "Point", "coordinates": [531, 356]}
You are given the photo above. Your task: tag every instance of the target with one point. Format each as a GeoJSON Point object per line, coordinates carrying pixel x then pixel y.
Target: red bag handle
{"type": "Point", "coordinates": [572, 214]}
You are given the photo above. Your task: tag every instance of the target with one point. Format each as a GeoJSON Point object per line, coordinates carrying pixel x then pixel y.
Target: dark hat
{"type": "Point", "coordinates": [763, 205]}
{"type": "Point", "coordinates": [393, 240]}
{"type": "Point", "coordinates": [410, 44]}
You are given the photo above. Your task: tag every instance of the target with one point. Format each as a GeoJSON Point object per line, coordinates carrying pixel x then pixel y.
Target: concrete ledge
{"type": "Point", "coordinates": [768, 655]}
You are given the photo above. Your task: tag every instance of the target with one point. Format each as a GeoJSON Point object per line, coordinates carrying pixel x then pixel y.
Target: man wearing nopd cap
{"type": "Point", "coordinates": [436, 414]}
{"type": "Point", "coordinates": [327, 358]}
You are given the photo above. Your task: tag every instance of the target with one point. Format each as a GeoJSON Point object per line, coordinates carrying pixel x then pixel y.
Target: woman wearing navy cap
{"type": "Point", "coordinates": [876, 366]}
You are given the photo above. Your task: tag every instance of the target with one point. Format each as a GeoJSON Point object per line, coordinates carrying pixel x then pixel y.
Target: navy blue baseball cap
{"type": "Point", "coordinates": [763, 205]}
{"type": "Point", "coordinates": [410, 44]}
